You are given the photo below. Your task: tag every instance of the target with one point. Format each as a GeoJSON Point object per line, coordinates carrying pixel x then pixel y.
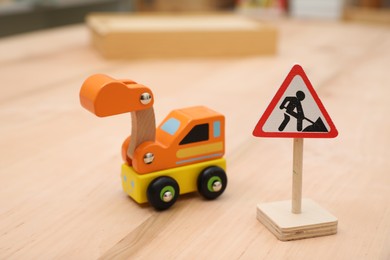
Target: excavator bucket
{"type": "Point", "coordinates": [105, 96]}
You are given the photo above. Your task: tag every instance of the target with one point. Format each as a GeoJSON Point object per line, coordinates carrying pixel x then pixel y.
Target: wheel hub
{"type": "Point", "coordinates": [217, 186]}
{"type": "Point", "coordinates": [167, 197]}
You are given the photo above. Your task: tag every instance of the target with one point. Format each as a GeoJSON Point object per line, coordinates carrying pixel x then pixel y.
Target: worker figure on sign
{"type": "Point", "coordinates": [293, 108]}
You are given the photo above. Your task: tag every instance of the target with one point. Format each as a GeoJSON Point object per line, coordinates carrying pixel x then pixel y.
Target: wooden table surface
{"type": "Point", "coordinates": [60, 190]}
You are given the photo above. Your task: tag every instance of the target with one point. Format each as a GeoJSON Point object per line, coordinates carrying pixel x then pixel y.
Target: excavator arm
{"type": "Point", "coordinates": [105, 96]}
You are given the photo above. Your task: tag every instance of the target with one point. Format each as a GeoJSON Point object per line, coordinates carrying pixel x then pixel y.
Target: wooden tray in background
{"type": "Point", "coordinates": [164, 36]}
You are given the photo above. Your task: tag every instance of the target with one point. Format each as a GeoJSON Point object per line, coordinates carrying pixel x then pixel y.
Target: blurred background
{"type": "Point", "coordinates": [18, 16]}
{"type": "Point", "coordinates": [60, 193]}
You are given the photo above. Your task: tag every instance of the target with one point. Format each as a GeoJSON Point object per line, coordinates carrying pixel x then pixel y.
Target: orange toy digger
{"type": "Point", "coordinates": [182, 155]}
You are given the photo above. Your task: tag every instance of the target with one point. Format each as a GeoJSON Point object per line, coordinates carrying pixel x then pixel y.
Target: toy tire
{"type": "Point", "coordinates": [163, 192]}
{"type": "Point", "coordinates": [212, 182]}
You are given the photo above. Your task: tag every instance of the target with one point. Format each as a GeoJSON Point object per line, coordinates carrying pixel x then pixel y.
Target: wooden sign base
{"type": "Point", "coordinates": [314, 221]}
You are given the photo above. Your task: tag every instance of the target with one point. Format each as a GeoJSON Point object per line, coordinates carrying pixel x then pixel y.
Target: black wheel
{"type": "Point", "coordinates": [162, 192]}
{"type": "Point", "coordinates": [212, 182]}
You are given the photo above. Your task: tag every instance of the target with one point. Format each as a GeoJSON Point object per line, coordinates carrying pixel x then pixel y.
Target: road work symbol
{"type": "Point", "coordinates": [296, 111]}
{"type": "Point", "coordinates": [293, 108]}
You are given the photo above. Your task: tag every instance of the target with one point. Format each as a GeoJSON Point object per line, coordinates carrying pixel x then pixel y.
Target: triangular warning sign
{"type": "Point", "coordinates": [296, 111]}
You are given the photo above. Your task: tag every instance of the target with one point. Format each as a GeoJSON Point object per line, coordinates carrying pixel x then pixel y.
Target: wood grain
{"type": "Point", "coordinates": [143, 129]}
{"type": "Point", "coordinates": [60, 191]}
{"type": "Point", "coordinates": [297, 176]}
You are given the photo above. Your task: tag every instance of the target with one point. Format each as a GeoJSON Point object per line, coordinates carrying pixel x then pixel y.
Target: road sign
{"type": "Point", "coordinates": [296, 111]}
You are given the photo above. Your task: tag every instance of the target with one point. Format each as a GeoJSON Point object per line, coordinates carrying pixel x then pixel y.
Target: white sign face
{"type": "Point", "coordinates": [299, 113]}
{"type": "Point", "coordinates": [296, 111]}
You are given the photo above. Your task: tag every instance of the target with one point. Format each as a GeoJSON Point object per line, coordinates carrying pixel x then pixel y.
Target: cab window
{"type": "Point", "coordinates": [217, 129]}
{"type": "Point", "coordinates": [197, 134]}
{"type": "Point", "coordinates": [171, 126]}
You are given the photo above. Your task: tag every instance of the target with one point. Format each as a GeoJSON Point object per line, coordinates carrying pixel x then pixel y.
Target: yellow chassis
{"type": "Point", "coordinates": [135, 185]}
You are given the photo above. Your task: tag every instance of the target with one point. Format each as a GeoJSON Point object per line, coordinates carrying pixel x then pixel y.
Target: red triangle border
{"type": "Point", "coordinates": [296, 70]}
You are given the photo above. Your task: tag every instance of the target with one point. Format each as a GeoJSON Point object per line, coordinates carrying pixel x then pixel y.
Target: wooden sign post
{"type": "Point", "coordinates": [296, 112]}
{"type": "Point", "coordinates": [297, 176]}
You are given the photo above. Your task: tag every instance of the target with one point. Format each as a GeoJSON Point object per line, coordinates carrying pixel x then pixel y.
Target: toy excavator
{"type": "Point", "coordinates": [184, 154]}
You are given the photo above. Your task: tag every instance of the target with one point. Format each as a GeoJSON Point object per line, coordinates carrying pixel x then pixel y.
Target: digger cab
{"type": "Point", "coordinates": [194, 134]}
{"type": "Point", "coordinates": [186, 136]}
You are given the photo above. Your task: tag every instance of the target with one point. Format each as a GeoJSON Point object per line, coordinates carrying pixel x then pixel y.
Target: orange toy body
{"type": "Point", "coordinates": [186, 136]}
{"type": "Point", "coordinates": [183, 154]}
